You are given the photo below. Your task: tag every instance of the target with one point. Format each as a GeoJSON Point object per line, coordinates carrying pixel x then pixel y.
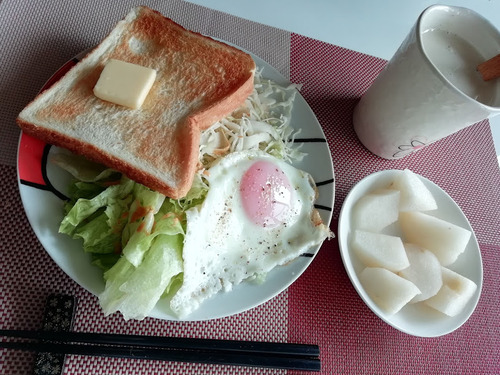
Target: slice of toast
{"type": "Point", "coordinates": [199, 81]}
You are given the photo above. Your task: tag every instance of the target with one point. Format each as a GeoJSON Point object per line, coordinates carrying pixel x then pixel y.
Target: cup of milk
{"type": "Point", "coordinates": [431, 87]}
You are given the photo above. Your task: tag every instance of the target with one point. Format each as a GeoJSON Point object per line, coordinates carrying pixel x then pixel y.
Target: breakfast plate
{"type": "Point", "coordinates": [43, 189]}
{"type": "Point", "coordinates": [415, 319]}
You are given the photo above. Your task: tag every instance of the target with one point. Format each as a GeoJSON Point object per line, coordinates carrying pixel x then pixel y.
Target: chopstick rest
{"type": "Point", "coordinates": [58, 317]}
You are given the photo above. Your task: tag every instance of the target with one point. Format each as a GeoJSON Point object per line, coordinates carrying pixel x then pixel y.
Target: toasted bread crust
{"type": "Point", "coordinates": [199, 81]}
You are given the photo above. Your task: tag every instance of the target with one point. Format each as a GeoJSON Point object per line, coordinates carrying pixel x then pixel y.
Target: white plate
{"type": "Point", "coordinates": [414, 319]}
{"type": "Point", "coordinates": [40, 183]}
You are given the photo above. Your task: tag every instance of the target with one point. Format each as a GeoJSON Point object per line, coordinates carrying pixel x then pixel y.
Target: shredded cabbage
{"type": "Point", "coordinates": [264, 124]}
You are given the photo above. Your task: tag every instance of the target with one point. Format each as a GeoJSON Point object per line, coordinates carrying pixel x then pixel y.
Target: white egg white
{"type": "Point", "coordinates": [222, 247]}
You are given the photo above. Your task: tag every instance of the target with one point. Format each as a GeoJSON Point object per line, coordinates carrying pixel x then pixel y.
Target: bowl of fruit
{"type": "Point", "coordinates": [410, 253]}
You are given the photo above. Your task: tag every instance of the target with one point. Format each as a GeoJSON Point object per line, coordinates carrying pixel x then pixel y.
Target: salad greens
{"type": "Point", "coordinates": [136, 235]}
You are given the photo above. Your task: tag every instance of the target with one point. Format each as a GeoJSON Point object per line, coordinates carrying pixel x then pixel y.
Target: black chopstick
{"type": "Point", "coordinates": [170, 342]}
{"type": "Point", "coordinates": [223, 352]}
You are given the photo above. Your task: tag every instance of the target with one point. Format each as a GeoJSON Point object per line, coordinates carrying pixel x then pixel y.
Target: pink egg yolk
{"type": "Point", "coordinates": [266, 194]}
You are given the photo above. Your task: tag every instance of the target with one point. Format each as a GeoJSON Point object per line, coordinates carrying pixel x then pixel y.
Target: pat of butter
{"type": "Point", "coordinates": [124, 83]}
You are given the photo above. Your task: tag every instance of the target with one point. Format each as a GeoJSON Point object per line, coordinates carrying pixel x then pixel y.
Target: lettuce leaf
{"type": "Point", "coordinates": [99, 221]}
{"type": "Point", "coordinates": [83, 169]}
{"type": "Point", "coordinates": [135, 235]}
{"type": "Point", "coordinates": [134, 291]}
{"type": "Point", "coordinates": [151, 265]}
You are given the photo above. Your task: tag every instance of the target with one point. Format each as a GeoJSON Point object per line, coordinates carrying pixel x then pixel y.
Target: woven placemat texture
{"type": "Point", "coordinates": [323, 305]}
{"type": "Point", "coordinates": [36, 40]}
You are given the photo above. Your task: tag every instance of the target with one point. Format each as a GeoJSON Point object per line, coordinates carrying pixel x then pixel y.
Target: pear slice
{"type": "Point", "coordinates": [389, 291]}
{"type": "Point", "coordinates": [379, 250]}
{"type": "Point", "coordinates": [446, 240]}
{"type": "Point", "coordinates": [377, 210]}
{"type": "Point", "coordinates": [454, 295]}
{"type": "Point", "coordinates": [424, 271]}
{"type": "Point", "coordinates": [415, 196]}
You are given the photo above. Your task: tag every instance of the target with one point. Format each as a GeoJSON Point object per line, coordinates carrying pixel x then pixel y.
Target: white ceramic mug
{"type": "Point", "coordinates": [430, 88]}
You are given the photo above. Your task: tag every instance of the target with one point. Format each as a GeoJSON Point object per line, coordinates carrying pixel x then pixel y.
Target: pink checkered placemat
{"type": "Point", "coordinates": [37, 39]}
{"type": "Point", "coordinates": [323, 305]}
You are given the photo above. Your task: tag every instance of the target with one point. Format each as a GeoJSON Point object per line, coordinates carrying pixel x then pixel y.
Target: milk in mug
{"type": "Point", "coordinates": [457, 60]}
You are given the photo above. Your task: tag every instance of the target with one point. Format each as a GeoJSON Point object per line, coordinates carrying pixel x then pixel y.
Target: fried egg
{"type": "Point", "coordinates": [258, 214]}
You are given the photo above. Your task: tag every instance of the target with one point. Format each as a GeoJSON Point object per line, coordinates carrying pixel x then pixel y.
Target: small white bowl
{"type": "Point", "coordinates": [414, 319]}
